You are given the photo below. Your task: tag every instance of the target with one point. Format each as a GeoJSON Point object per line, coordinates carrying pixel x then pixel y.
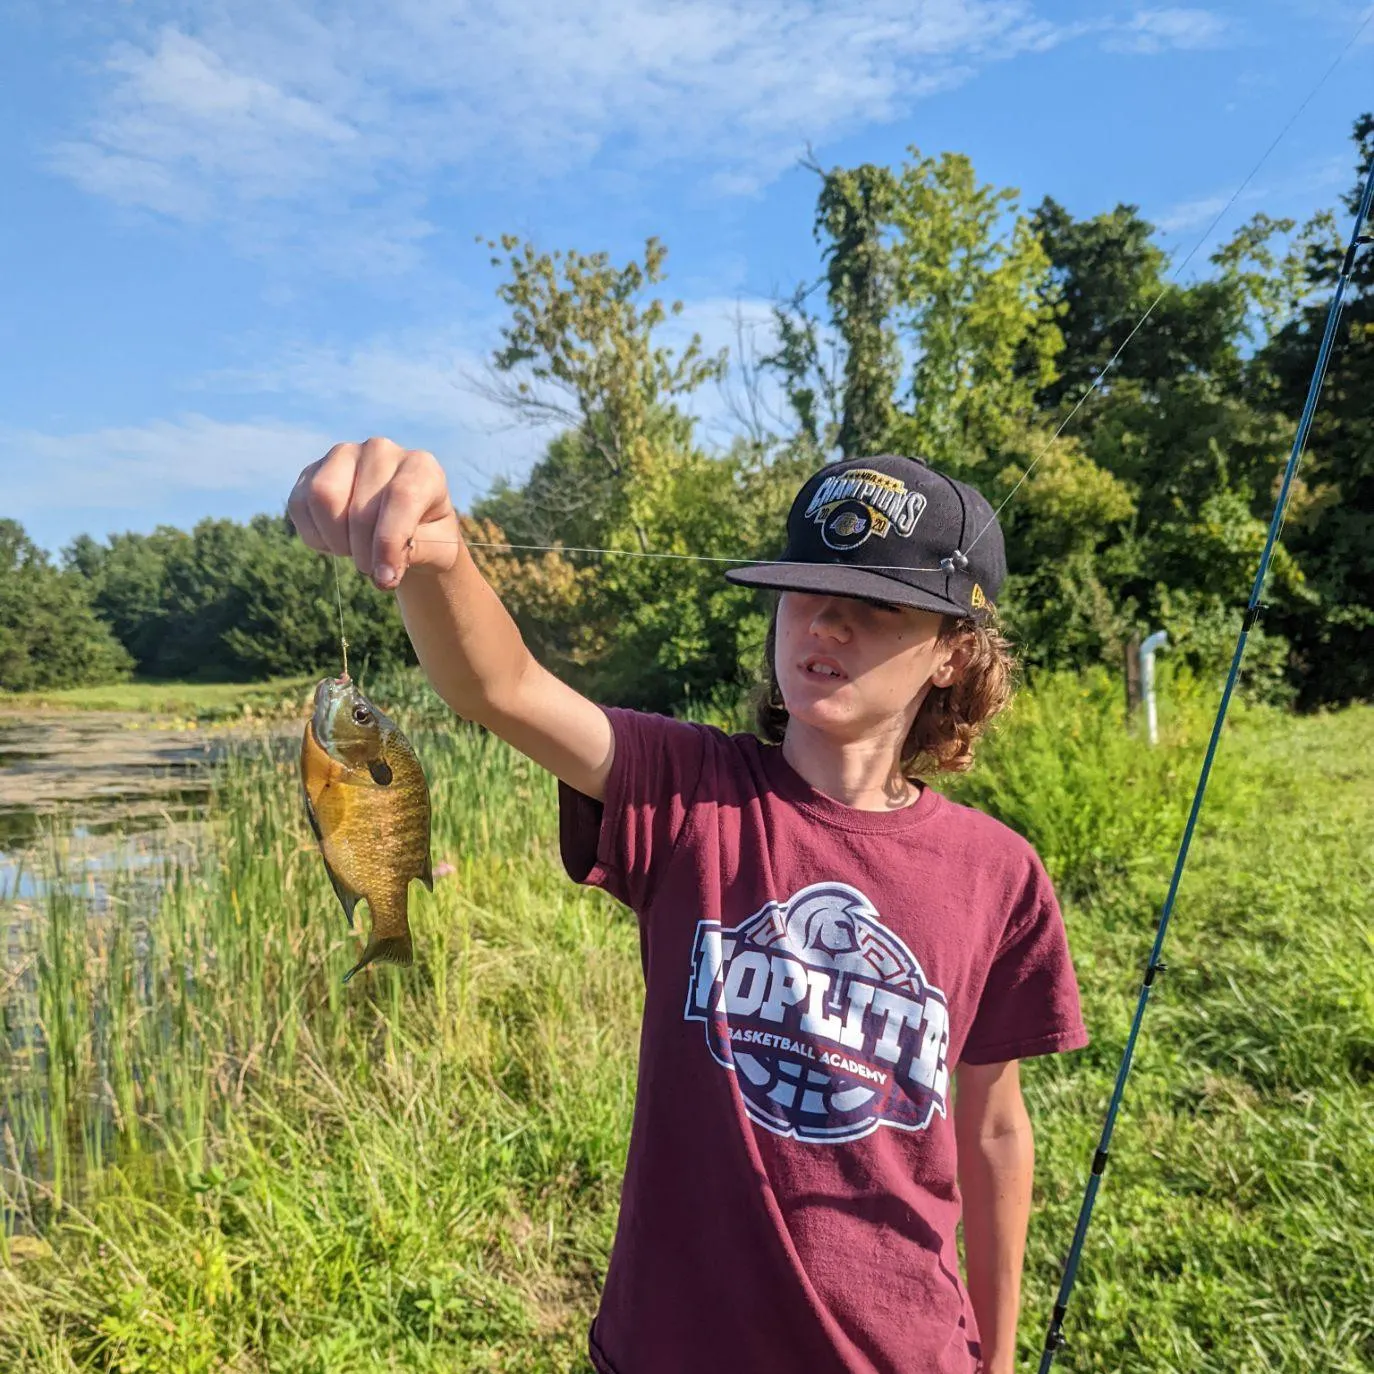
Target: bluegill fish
{"type": "Point", "coordinates": [368, 804]}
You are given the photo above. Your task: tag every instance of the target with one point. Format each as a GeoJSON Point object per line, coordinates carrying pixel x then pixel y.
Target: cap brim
{"type": "Point", "coordinates": [841, 580]}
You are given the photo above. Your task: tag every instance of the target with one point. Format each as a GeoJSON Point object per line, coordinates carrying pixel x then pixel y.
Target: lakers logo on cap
{"type": "Point", "coordinates": [849, 523]}
{"type": "Point", "coordinates": [978, 599]}
{"type": "Point", "coordinates": [863, 502]}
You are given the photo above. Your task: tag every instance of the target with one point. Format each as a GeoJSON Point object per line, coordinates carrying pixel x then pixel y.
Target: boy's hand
{"type": "Point", "coordinates": [368, 501]}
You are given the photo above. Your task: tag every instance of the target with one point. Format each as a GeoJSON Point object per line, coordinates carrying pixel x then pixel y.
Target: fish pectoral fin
{"type": "Point", "coordinates": [427, 872]}
{"type": "Point", "coordinates": [313, 818]}
{"type": "Point", "coordinates": [390, 949]}
{"type": "Point", "coordinates": [348, 899]}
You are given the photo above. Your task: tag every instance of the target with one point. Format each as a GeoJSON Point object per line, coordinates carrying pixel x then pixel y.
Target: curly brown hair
{"type": "Point", "coordinates": [950, 719]}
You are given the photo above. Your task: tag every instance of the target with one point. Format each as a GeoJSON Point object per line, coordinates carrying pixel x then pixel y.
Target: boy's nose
{"type": "Point", "coordinates": [831, 618]}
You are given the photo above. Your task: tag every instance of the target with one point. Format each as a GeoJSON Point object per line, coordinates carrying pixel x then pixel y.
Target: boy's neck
{"type": "Point", "coordinates": [863, 774]}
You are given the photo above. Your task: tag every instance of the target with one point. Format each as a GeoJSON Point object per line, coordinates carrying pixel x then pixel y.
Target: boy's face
{"type": "Point", "coordinates": [851, 668]}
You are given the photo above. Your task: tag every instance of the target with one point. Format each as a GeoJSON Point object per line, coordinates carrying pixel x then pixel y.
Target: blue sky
{"type": "Point", "coordinates": [237, 233]}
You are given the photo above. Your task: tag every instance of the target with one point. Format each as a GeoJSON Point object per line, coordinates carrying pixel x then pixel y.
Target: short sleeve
{"type": "Point", "coordinates": [1029, 1005]}
{"type": "Point", "coordinates": [624, 843]}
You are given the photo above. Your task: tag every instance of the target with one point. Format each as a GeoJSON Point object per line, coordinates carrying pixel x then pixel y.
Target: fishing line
{"type": "Point", "coordinates": [338, 593]}
{"type": "Point", "coordinates": [649, 553]}
{"type": "Point", "coordinates": [1362, 234]}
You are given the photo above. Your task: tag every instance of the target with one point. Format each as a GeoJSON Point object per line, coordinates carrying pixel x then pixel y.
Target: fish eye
{"type": "Point", "coordinates": [362, 715]}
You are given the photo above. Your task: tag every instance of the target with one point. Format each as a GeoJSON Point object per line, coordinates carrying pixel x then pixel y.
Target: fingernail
{"type": "Point", "coordinates": [384, 574]}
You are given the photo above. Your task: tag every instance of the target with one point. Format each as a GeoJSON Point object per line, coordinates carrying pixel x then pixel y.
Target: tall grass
{"type": "Point", "coordinates": [1066, 768]}
{"type": "Point", "coordinates": [218, 1158]}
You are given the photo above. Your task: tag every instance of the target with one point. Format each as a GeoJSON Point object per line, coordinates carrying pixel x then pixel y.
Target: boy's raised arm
{"type": "Point", "coordinates": [388, 509]}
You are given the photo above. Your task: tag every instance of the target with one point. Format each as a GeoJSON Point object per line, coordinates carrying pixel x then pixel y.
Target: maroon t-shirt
{"type": "Point", "coordinates": [813, 975]}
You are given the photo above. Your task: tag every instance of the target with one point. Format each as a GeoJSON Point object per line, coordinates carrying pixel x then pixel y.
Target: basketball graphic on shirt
{"type": "Point", "coordinates": [824, 1016]}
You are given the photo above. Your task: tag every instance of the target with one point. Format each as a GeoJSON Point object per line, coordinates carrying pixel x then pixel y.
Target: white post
{"type": "Point", "coordinates": [1158, 640]}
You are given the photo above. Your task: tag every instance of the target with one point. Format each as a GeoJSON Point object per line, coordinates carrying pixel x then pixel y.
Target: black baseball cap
{"type": "Point", "coordinates": [891, 529]}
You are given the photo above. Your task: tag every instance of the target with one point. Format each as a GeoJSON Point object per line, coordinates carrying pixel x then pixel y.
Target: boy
{"type": "Point", "coordinates": [826, 942]}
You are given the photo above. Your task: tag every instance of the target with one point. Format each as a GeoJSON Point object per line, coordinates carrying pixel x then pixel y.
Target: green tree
{"type": "Point", "coordinates": [809, 366]}
{"type": "Point", "coordinates": [970, 292]}
{"type": "Point", "coordinates": [286, 611]}
{"type": "Point", "coordinates": [1106, 273]}
{"type": "Point", "coordinates": [1069, 550]}
{"type": "Point", "coordinates": [234, 602]}
{"type": "Point", "coordinates": [1330, 524]}
{"type": "Point", "coordinates": [50, 636]}
{"type": "Point", "coordinates": [127, 577]}
{"type": "Point", "coordinates": [625, 475]}
{"type": "Point", "coordinates": [580, 351]}
{"type": "Point", "coordinates": [924, 264]}
{"type": "Point", "coordinates": [854, 211]}
{"type": "Point", "coordinates": [1198, 449]}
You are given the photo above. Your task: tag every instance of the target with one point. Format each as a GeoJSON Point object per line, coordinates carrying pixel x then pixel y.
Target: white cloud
{"type": "Point", "coordinates": [1190, 214]}
{"type": "Point", "coordinates": [135, 467]}
{"type": "Point", "coordinates": [328, 133]}
{"type": "Point", "coordinates": [424, 388]}
{"type": "Point", "coordinates": [179, 120]}
{"type": "Point", "coordinates": [435, 381]}
{"type": "Point", "coordinates": [1157, 31]}
{"type": "Point", "coordinates": [1323, 176]}
{"type": "Point", "coordinates": [420, 375]}
{"type": "Point", "coordinates": [178, 470]}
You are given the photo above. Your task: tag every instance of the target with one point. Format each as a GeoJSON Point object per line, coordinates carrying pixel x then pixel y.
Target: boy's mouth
{"type": "Point", "coordinates": [818, 665]}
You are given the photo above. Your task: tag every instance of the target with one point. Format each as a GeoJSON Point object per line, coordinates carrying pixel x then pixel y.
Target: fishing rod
{"type": "Point", "coordinates": [1362, 235]}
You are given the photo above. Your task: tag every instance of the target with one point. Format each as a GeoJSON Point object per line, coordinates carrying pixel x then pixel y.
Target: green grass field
{"type": "Point", "coordinates": [420, 1171]}
{"type": "Point", "coordinates": [200, 701]}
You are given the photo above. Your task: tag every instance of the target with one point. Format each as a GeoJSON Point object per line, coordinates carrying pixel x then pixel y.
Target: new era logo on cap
{"type": "Point", "coordinates": [892, 529]}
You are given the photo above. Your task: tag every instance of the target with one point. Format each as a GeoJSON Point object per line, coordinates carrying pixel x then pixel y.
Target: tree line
{"type": "Point", "coordinates": [946, 322]}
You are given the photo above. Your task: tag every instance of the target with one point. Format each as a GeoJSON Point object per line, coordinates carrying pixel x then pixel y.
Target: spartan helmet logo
{"type": "Point", "coordinates": [824, 1016]}
{"type": "Point", "coordinates": [823, 926]}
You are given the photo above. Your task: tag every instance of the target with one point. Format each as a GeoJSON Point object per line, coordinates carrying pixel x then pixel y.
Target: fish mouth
{"type": "Point", "coordinates": [330, 693]}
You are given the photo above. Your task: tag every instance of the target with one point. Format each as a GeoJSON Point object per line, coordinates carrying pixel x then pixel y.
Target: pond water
{"type": "Point", "coordinates": [115, 793]}
{"type": "Point", "coordinates": [96, 808]}
{"type": "Point", "coordinates": [103, 775]}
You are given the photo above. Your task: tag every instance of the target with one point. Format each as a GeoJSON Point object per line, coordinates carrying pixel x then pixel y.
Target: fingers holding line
{"type": "Point", "coordinates": [366, 502]}
{"type": "Point", "coordinates": [328, 494]}
{"type": "Point", "coordinates": [298, 509]}
{"type": "Point", "coordinates": [417, 493]}
{"type": "Point", "coordinates": [377, 465]}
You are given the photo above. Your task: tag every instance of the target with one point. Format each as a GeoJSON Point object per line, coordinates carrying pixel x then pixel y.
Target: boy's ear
{"type": "Point", "coordinates": [952, 669]}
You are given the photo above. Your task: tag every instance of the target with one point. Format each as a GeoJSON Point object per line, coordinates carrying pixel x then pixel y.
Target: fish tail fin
{"type": "Point", "coordinates": [392, 949]}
